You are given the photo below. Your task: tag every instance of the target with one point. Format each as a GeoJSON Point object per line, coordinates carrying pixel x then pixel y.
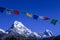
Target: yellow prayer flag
{"type": "Point", "coordinates": [30, 15]}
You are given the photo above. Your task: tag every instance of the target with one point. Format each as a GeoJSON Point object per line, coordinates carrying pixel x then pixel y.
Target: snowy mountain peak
{"type": "Point", "coordinates": [19, 28]}
{"type": "Point", "coordinates": [36, 34]}
{"type": "Point", "coordinates": [1, 30]}
{"type": "Point", "coordinates": [18, 24]}
{"type": "Point", "coordinates": [48, 32]}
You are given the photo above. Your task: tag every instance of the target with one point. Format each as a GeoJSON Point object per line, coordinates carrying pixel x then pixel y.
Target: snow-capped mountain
{"type": "Point", "coordinates": [18, 29]}
{"type": "Point", "coordinates": [2, 31]}
{"type": "Point", "coordinates": [48, 33]}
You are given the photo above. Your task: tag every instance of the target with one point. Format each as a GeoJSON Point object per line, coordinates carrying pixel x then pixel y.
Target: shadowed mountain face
{"type": "Point", "coordinates": [25, 38]}
{"type": "Point", "coordinates": [19, 32]}
{"type": "Point", "coordinates": [52, 38]}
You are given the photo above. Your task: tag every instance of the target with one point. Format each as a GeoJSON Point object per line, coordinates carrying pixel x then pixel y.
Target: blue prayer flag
{"type": "Point", "coordinates": [2, 9]}
{"type": "Point", "coordinates": [35, 16]}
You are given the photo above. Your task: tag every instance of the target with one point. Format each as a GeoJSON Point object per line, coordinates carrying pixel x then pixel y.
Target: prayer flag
{"type": "Point", "coordinates": [53, 21]}
{"type": "Point", "coordinates": [16, 12]}
{"type": "Point", "coordinates": [2, 9]}
{"type": "Point", "coordinates": [9, 11]}
{"type": "Point", "coordinates": [24, 12]}
{"type": "Point", "coordinates": [35, 16]}
{"type": "Point", "coordinates": [30, 15]}
{"type": "Point", "coordinates": [44, 18]}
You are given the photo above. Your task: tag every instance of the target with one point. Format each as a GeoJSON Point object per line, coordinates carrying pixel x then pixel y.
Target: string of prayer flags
{"type": "Point", "coordinates": [44, 18]}
{"type": "Point", "coordinates": [53, 21]}
{"type": "Point", "coordinates": [2, 9]}
{"type": "Point", "coordinates": [16, 12]}
{"type": "Point", "coordinates": [9, 11]}
{"type": "Point", "coordinates": [35, 17]}
{"type": "Point", "coordinates": [28, 14]}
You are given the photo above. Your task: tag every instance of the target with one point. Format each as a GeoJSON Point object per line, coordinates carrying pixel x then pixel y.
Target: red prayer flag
{"type": "Point", "coordinates": [16, 12]}
{"type": "Point", "coordinates": [45, 18]}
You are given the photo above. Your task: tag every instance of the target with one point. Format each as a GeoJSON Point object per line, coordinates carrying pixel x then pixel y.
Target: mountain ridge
{"type": "Point", "coordinates": [18, 29]}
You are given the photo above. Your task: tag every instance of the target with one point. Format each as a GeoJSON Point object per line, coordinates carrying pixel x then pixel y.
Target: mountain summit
{"type": "Point", "coordinates": [18, 29]}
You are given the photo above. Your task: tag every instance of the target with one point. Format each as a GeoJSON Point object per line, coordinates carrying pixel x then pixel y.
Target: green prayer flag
{"type": "Point", "coordinates": [53, 21]}
{"type": "Point", "coordinates": [24, 12]}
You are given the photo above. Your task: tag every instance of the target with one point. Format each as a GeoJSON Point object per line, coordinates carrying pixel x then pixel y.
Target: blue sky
{"type": "Point", "coordinates": [48, 8]}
